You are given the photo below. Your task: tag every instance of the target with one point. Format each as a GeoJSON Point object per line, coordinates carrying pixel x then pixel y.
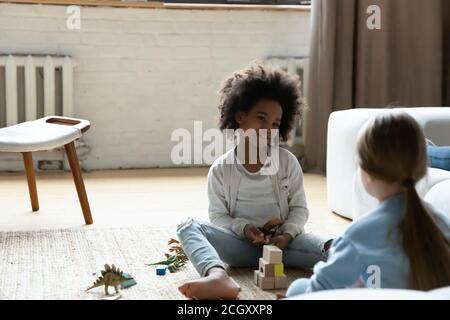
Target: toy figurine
{"type": "Point", "coordinates": [111, 277]}
{"type": "Point", "coordinates": [175, 259]}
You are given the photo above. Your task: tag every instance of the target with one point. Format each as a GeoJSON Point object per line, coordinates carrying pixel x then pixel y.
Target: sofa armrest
{"type": "Point", "coordinates": [343, 128]}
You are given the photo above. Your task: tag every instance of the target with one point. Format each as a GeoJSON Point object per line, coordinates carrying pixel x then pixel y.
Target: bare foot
{"type": "Point", "coordinates": [216, 285]}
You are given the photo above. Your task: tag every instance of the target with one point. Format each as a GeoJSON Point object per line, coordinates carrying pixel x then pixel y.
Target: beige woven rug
{"type": "Point", "coordinates": [60, 264]}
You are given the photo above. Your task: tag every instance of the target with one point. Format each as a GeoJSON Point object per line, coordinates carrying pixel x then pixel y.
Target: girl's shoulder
{"type": "Point", "coordinates": [226, 158]}
{"type": "Point", "coordinates": [289, 163]}
{"type": "Point", "coordinates": [371, 227]}
{"type": "Point", "coordinates": [217, 167]}
{"type": "Point", "coordinates": [288, 156]}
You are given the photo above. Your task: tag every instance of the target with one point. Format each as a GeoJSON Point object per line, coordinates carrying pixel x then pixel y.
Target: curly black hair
{"type": "Point", "coordinates": [242, 90]}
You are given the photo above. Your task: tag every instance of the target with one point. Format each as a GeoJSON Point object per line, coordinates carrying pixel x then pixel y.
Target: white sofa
{"type": "Point", "coordinates": [346, 195]}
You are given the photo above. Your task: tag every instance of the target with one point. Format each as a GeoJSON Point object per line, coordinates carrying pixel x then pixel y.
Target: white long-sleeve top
{"type": "Point", "coordinates": [224, 179]}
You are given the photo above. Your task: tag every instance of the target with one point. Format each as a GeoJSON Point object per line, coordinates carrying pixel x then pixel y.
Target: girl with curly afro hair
{"type": "Point", "coordinates": [248, 207]}
{"type": "Point", "coordinates": [258, 87]}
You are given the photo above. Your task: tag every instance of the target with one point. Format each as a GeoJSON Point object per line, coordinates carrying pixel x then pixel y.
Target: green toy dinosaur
{"type": "Point", "coordinates": [175, 259]}
{"type": "Point", "coordinates": [110, 277]}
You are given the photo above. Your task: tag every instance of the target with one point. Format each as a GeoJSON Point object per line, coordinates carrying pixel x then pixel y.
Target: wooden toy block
{"type": "Point", "coordinates": [266, 269]}
{"type": "Point", "coordinates": [272, 254]}
{"type": "Point", "coordinates": [280, 282]}
{"type": "Point", "coordinates": [265, 283]}
{"type": "Point", "coordinates": [256, 277]}
{"type": "Point", "coordinates": [278, 269]}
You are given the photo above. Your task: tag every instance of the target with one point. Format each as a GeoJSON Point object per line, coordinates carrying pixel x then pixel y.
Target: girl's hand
{"type": "Point", "coordinates": [282, 241]}
{"type": "Point", "coordinates": [254, 235]}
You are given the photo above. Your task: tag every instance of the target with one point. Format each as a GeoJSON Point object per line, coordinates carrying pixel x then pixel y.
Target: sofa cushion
{"type": "Point", "coordinates": [363, 203]}
{"type": "Point", "coordinates": [438, 196]}
{"type": "Point", "coordinates": [433, 177]}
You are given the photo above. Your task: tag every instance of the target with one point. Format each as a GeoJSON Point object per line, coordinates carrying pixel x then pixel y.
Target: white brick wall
{"type": "Point", "coordinates": [141, 73]}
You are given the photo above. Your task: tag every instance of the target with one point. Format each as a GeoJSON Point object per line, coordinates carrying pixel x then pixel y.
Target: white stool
{"type": "Point", "coordinates": [45, 134]}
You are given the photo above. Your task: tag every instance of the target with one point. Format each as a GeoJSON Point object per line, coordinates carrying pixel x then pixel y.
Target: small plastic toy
{"type": "Point", "coordinates": [161, 270]}
{"type": "Point", "coordinates": [129, 282]}
{"type": "Point", "coordinates": [271, 227]}
{"type": "Point", "coordinates": [175, 259]}
{"type": "Point", "coordinates": [111, 276]}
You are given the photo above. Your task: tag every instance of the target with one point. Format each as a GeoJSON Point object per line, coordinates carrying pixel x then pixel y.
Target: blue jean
{"type": "Point", "coordinates": [439, 157]}
{"type": "Point", "coordinates": [208, 246]}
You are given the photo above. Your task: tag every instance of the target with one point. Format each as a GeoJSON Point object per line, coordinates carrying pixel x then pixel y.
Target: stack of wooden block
{"type": "Point", "coordinates": [270, 274]}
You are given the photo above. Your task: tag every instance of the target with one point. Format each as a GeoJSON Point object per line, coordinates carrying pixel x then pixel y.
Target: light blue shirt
{"type": "Point", "coordinates": [371, 249]}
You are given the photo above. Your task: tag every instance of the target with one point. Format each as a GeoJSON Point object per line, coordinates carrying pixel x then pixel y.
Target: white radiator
{"type": "Point", "coordinates": [300, 67]}
{"type": "Point", "coordinates": [14, 90]}
{"type": "Point", "coordinates": [34, 86]}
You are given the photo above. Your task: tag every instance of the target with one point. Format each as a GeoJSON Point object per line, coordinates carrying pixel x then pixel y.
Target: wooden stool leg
{"type": "Point", "coordinates": [31, 178]}
{"type": "Point", "coordinates": [78, 179]}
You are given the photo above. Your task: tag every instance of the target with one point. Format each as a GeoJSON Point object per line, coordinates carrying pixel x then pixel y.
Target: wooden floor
{"type": "Point", "coordinates": [130, 197]}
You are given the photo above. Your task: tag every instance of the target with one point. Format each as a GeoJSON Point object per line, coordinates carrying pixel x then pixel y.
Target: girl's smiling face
{"type": "Point", "coordinates": [265, 114]}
